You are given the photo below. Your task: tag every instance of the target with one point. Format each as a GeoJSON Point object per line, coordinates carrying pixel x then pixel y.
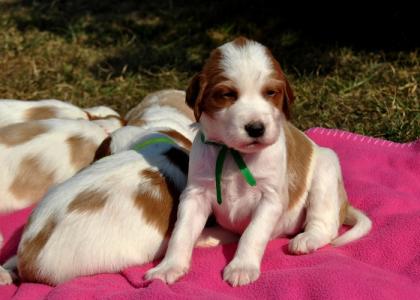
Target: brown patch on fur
{"type": "Point", "coordinates": [122, 121]}
{"type": "Point", "coordinates": [299, 155]}
{"type": "Point", "coordinates": [177, 101]}
{"type": "Point", "coordinates": [274, 92]}
{"type": "Point", "coordinates": [29, 252]}
{"type": "Point", "coordinates": [240, 41]}
{"type": "Point", "coordinates": [32, 180]}
{"type": "Point", "coordinates": [88, 201]}
{"type": "Point", "coordinates": [89, 116]}
{"type": "Point", "coordinates": [82, 151]}
{"type": "Point", "coordinates": [210, 91]}
{"type": "Point", "coordinates": [178, 158]}
{"type": "Point", "coordinates": [195, 94]}
{"type": "Point", "coordinates": [169, 98]}
{"type": "Point", "coordinates": [136, 122]}
{"type": "Point", "coordinates": [40, 113]}
{"type": "Point", "coordinates": [219, 96]}
{"type": "Point", "coordinates": [342, 196]}
{"type": "Point", "coordinates": [158, 210]}
{"type": "Point", "coordinates": [135, 115]}
{"type": "Point", "coordinates": [20, 133]}
{"type": "Point", "coordinates": [343, 212]}
{"type": "Point", "coordinates": [287, 91]}
{"type": "Point", "coordinates": [181, 139]}
{"type": "Point", "coordinates": [104, 149]}
{"type": "Point", "coordinates": [108, 117]}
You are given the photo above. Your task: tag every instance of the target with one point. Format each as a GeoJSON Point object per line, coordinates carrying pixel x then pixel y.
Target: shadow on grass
{"type": "Point", "coordinates": [150, 36]}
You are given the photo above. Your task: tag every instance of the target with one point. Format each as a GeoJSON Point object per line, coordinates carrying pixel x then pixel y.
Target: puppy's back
{"type": "Point", "coordinates": [170, 99]}
{"type": "Point", "coordinates": [15, 111]}
{"type": "Point", "coordinates": [36, 155]}
{"type": "Point", "coordinates": [113, 214]}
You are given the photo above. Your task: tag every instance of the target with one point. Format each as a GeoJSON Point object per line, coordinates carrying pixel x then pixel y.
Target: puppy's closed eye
{"type": "Point", "coordinates": [225, 93]}
{"type": "Point", "coordinates": [231, 95]}
{"type": "Point", "coordinates": [271, 93]}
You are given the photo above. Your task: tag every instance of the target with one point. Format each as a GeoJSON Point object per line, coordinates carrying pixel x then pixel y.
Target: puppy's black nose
{"type": "Point", "coordinates": [255, 129]}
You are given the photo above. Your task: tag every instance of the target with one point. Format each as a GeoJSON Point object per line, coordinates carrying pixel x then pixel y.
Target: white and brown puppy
{"type": "Point", "coordinates": [241, 100]}
{"type": "Point", "coordinates": [163, 110]}
{"type": "Point", "coordinates": [17, 111]}
{"type": "Point", "coordinates": [39, 154]}
{"type": "Point", "coordinates": [116, 213]}
{"type": "Point", "coordinates": [152, 107]}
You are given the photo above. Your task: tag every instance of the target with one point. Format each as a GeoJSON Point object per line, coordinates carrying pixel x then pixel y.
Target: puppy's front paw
{"type": "Point", "coordinates": [167, 272]}
{"type": "Point", "coordinates": [305, 243]}
{"type": "Point", "coordinates": [240, 273]}
{"type": "Point", "coordinates": [6, 277]}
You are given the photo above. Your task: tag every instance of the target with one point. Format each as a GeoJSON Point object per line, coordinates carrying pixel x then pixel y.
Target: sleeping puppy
{"type": "Point", "coordinates": [164, 109]}
{"type": "Point", "coordinates": [116, 213]}
{"type": "Point", "coordinates": [16, 111]}
{"type": "Point", "coordinates": [271, 179]}
{"type": "Point", "coordinates": [39, 154]}
{"type": "Point", "coordinates": [164, 101]}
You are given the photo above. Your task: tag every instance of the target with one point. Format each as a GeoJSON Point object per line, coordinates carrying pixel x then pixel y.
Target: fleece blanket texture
{"type": "Point", "coordinates": [382, 178]}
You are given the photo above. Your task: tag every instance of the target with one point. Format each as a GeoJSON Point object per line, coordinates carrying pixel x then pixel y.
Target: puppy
{"type": "Point", "coordinates": [274, 181]}
{"type": "Point", "coordinates": [165, 101]}
{"type": "Point", "coordinates": [16, 111]}
{"type": "Point", "coordinates": [116, 213]}
{"type": "Point", "coordinates": [161, 110]}
{"type": "Point", "coordinates": [36, 155]}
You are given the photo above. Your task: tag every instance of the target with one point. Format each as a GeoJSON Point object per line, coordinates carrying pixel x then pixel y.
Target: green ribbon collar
{"type": "Point", "coordinates": [249, 178]}
{"type": "Point", "coordinates": [152, 141]}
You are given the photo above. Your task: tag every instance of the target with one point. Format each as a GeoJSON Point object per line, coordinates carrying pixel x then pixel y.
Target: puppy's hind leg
{"type": "Point", "coordinates": [323, 206]}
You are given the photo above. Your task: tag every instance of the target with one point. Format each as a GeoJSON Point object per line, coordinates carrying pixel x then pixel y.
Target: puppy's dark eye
{"type": "Point", "coordinates": [229, 95]}
{"type": "Point", "coordinates": [271, 93]}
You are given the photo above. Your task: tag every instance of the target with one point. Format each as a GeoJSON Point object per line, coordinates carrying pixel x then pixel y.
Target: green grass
{"type": "Point", "coordinates": [115, 52]}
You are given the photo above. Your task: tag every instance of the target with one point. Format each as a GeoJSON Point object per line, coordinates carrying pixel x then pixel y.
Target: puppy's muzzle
{"type": "Point", "coordinates": [255, 129]}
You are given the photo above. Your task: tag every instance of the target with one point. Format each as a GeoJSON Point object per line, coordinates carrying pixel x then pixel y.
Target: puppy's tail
{"type": "Point", "coordinates": [361, 226]}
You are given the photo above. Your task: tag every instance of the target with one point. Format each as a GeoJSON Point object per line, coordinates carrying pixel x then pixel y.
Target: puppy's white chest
{"type": "Point", "coordinates": [238, 202]}
{"type": "Point", "coordinates": [239, 199]}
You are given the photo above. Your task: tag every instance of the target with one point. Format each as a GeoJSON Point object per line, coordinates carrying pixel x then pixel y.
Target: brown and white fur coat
{"type": "Point", "coordinates": [45, 142]}
{"type": "Point", "coordinates": [36, 155]}
{"type": "Point", "coordinates": [17, 111]}
{"type": "Point", "coordinates": [242, 99]}
{"type": "Point", "coordinates": [119, 211]}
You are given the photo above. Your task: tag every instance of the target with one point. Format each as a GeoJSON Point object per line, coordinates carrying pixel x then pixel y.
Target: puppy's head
{"type": "Point", "coordinates": [240, 96]}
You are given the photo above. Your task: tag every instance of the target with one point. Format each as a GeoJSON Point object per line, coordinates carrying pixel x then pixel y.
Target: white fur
{"type": "Point", "coordinates": [154, 114]}
{"type": "Point", "coordinates": [15, 111]}
{"type": "Point", "coordinates": [101, 111]}
{"type": "Point", "coordinates": [258, 213]}
{"type": "Point", "coordinates": [157, 99]}
{"type": "Point", "coordinates": [109, 240]}
{"type": "Point", "coordinates": [50, 148]}
{"type": "Point", "coordinates": [108, 124]}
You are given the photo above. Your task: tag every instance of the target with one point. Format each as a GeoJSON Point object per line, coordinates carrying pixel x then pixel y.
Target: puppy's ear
{"type": "Point", "coordinates": [289, 97]}
{"type": "Point", "coordinates": [195, 94]}
{"type": "Point", "coordinates": [288, 93]}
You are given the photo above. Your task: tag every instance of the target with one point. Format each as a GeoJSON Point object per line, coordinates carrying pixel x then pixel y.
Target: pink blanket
{"type": "Point", "coordinates": [381, 177]}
